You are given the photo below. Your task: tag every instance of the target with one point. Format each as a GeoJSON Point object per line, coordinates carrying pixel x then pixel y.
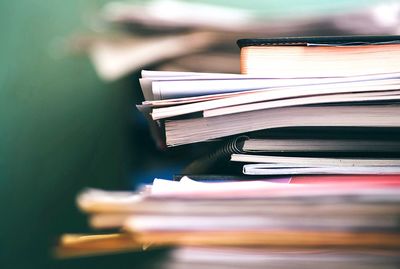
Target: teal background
{"type": "Point", "coordinates": [61, 129]}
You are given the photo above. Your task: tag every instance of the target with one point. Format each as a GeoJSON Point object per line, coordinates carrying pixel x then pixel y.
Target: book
{"type": "Point", "coordinates": [274, 239]}
{"type": "Point", "coordinates": [320, 56]}
{"type": "Point", "coordinates": [185, 131]}
{"type": "Point", "coordinates": [288, 165]}
{"type": "Point", "coordinates": [270, 170]}
{"type": "Point", "coordinates": [314, 161]}
{"type": "Point", "coordinates": [301, 145]}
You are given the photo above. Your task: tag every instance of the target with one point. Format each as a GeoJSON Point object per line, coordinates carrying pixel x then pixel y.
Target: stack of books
{"type": "Point", "coordinates": [315, 123]}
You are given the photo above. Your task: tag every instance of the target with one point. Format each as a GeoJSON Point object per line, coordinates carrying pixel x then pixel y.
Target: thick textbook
{"type": "Point", "coordinates": [320, 56]}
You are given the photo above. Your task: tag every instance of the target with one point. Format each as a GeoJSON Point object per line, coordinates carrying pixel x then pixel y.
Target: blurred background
{"type": "Point", "coordinates": [68, 89]}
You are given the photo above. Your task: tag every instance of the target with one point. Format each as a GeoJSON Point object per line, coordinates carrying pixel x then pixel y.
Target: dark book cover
{"type": "Point", "coordinates": [303, 41]}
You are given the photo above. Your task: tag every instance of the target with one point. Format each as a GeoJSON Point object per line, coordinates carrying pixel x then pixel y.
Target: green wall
{"type": "Point", "coordinates": [61, 128]}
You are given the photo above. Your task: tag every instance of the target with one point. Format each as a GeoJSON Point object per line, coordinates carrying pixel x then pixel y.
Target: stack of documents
{"type": "Point", "coordinates": [343, 220]}
{"type": "Point", "coordinates": [319, 176]}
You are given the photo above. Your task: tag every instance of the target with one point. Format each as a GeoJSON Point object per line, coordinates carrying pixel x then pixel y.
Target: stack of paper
{"type": "Point", "coordinates": [320, 184]}
{"type": "Point", "coordinates": [344, 219]}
